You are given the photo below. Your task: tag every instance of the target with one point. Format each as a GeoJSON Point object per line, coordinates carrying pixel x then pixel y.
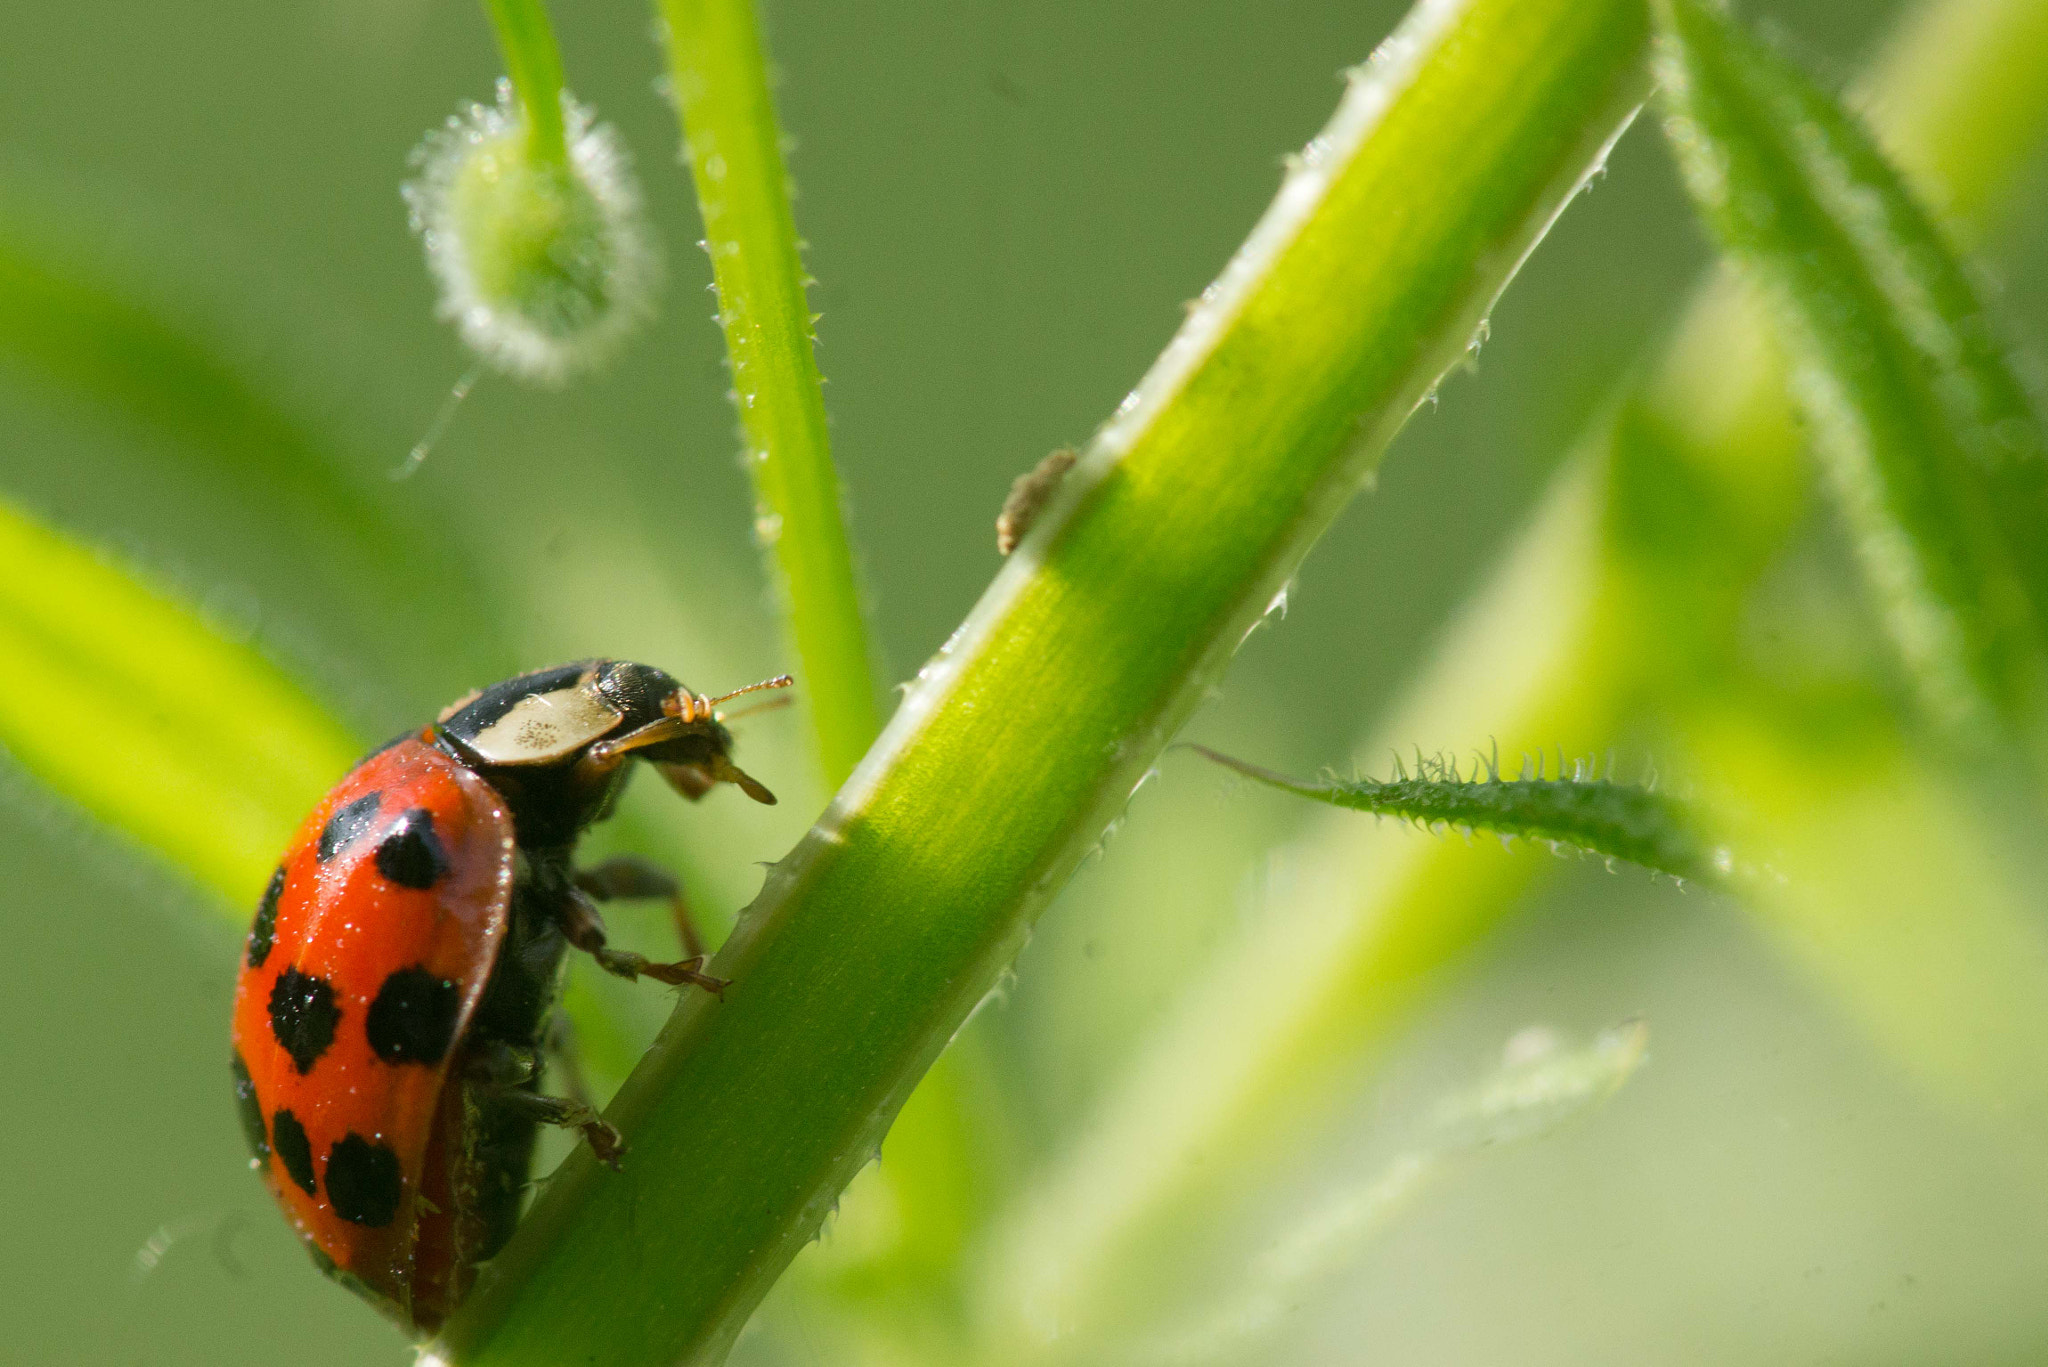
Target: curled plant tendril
{"type": "Point", "coordinates": [1581, 811]}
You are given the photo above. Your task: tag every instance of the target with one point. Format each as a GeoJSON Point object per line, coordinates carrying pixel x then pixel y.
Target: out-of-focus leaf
{"type": "Point", "coordinates": [1934, 452]}
{"type": "Point", "coordinates": [65, 322]}
{"type": "Point", "coordinates": [128, 704]}
{"type": "Point", "coordinates": [220, 444]}
{"type": "Point", "coordinates": [1539, 1086]}
{"type": "Point", "coordinates": [1578, 811]}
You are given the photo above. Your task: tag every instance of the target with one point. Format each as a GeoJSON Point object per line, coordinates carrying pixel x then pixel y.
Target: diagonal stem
{"type": "Point", "coordinates": [879, 934]}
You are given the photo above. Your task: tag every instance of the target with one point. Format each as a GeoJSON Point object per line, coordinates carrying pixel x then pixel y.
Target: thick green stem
{"type": "Point", "coordinates": [534, 63]}
{"type": "Point", "coordinates": [893, 919]}
{"type": "Point", "coordinates": [719, 70]}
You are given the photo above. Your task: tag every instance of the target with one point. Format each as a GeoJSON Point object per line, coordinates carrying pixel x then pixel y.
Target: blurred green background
{"type": "Point", "coordinates": [1006, 205]}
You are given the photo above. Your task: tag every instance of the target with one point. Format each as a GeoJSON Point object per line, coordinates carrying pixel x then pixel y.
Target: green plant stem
{"type": "Point", "coordinates": [1280, 1030]}
{"type": "Point", "coordinates": [893, 919]}
{"type": "Point", "coordinates": [1261, 1050]}
{"type": "Point", "coordinates": [719, 72]}
{"type": "Point", "coordinates": [534, 63]}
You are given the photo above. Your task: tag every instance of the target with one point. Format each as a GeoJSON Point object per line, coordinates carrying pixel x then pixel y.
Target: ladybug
{"type": "Point", "coordinates": [395, 990]}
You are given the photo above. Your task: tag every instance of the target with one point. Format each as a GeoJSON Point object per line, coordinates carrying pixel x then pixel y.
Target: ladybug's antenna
{"type": "Point", "coordinates": [779, 681]}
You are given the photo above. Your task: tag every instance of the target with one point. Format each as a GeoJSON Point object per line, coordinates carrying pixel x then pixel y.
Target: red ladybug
{"type": "Point", "coordinates": [395, 992]}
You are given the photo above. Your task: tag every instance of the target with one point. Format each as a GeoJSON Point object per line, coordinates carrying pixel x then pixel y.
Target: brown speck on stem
{"type": "Point", "coordinates": [1028, 495]}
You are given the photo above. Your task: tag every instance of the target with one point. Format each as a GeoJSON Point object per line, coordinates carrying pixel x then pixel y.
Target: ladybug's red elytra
{"type": "Point", "coordinates": [395, 990]}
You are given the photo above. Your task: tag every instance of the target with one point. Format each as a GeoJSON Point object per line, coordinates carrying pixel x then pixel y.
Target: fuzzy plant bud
{"type": "Point", "coordinates": [545, 265]}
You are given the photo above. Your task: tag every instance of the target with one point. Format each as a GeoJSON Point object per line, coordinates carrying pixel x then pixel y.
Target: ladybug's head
{"type": "Point", "coordinates": [561, 737]}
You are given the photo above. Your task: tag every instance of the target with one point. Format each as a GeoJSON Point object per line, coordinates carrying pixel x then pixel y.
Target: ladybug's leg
{"type": "Point", "coordinates": [626, 877]}
{"type": "Point", "coordinates": [584, 928]}
{"type": "Point", "coordinates": [604, 1141]}
{"type": "Point", "coordinates": [507, 1069]}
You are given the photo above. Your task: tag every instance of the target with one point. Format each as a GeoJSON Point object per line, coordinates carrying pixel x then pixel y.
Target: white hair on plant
{"type": "Point", "coordinates": [543, 268]}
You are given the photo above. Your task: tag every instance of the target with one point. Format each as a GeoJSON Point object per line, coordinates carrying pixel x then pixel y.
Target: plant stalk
{"type": "Point", "coordinates": [534, 62]}
{"type": "Point", "coordinates": [718, 68]}
{"type": "Point", "coordinates": [880, 933]}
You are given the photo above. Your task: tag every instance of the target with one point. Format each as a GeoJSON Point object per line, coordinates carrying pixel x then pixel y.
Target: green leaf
{"type": "Point", "coordinates": [1594, 815]}
{"type": "Point", "coordinates": [1933, 452]}
{"type": "Point", "coordinates": [342, 553]}
{"type": "Point", "coordinates": [126, 703]}
{"type": "Point", "coordinates": [1538, 1087]}
{"type": "Point", "coordinates": [71, 324]}
{"type": "Point", "coordinates": [1449, 156]}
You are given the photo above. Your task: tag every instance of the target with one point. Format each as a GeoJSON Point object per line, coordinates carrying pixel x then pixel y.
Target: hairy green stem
{"type": "Point", "coordinates": [719, 71]}
{"type": "Point", "coordinates": [881, 932]}
{"type": "Point", "coordinates": [534, 63]}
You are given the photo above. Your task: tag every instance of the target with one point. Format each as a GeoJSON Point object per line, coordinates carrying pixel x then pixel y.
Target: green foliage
{"type": "Point", "coordinates": [1580, 811]}
{"type": "Point", "coordinates": [1201, 1192]}
{"type": "Point", "coordinates": [1630, 595]}
{"type": "Point", "coordinates": [1538, 1086]}
{"type": "Point", "coordinates": [1934, 452]}
{"type": "Point", "coordinates": [880, 933]}
{"type": "Point", "coordinates": [130, 706]}
{"type": "Point", "coordinates": [534, 62]}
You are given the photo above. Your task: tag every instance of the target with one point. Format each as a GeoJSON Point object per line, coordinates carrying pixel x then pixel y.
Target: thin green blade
{"type": "Point", "coordinates": [128, 704]}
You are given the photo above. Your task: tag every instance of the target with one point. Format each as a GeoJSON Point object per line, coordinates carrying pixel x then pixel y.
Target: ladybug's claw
{"type": "Point", "coordinates": [628, 877]}
{"type": "Point", "coordinates": [605, 1143]}
{"type": "Point", "coordinates": [690, 970]}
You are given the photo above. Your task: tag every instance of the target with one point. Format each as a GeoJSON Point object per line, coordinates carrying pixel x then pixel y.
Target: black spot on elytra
{"type": "Point", "coordinates": [411, 855]}
{"type": "Point", "coordinates": [303, 1016]}
{"type": "Point", "coordinates": [263, 934]}
{"type": "Point", "coordinates": [288, 1137]}
{"type": "Point", "coordinates": [251, 1109]}
{"type": "Point", "coordinates": [413, 1018]}
{"type": "Point", "coordinates": [346, 824]}
{"type": "Point", "coordinates": [362, 1182]}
